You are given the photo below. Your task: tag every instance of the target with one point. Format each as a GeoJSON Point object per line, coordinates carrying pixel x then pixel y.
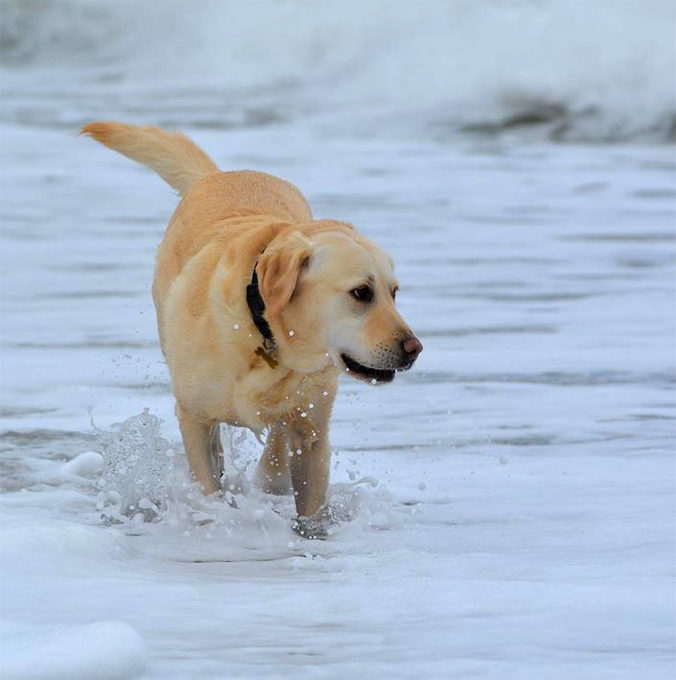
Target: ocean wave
{"type": "Point", "coordinates": [593, 71]}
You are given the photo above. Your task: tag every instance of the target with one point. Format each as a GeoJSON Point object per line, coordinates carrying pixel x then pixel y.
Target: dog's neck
{"type": "Point", "coordinates": [257, 309]}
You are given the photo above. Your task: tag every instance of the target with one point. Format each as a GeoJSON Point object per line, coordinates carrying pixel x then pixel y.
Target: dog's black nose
{"type": "Point", "coordinates": [411, 347]}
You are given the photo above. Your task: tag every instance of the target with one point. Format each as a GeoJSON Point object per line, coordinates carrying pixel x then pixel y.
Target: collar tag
{"type": "Point", "coordinates": [267, 357]}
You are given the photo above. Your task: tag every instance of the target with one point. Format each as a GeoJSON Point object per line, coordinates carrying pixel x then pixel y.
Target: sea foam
{"type": "Point", "coordinates": [599, 71]}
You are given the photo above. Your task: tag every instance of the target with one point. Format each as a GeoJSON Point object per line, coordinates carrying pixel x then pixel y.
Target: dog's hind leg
{"type": "Point", "coordinates": [272, 473]}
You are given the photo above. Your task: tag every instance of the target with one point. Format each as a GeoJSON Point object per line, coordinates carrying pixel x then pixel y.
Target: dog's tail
{"type": "Point", "coordinates": [175, 158]}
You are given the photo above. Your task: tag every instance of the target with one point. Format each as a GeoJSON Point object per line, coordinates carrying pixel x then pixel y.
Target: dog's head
{"type": "Point", "coordinates": [330, 297]}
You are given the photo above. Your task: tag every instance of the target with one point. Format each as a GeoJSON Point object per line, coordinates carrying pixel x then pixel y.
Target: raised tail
{"type": "Point", "coordinates": [176, 159]}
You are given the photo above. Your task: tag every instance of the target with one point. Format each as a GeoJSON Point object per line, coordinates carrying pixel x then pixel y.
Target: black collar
{"type": "Point", "coordinates": [257, 308]}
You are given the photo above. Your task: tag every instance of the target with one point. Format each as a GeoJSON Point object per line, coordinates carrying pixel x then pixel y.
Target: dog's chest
{"type": "Point", "coordinates": [270, 396]}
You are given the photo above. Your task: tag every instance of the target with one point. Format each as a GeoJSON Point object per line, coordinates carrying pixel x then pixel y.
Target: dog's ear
{"type": "Point", "coordinates": [278, 270]}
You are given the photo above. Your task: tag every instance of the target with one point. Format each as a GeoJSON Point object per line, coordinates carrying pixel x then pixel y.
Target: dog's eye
{"type": "Point", "coordinates": [394, 293]}
{"type": "Point", "coordinates": [362, 293]}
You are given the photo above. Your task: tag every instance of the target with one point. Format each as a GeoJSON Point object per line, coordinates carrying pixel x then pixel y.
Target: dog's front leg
{"type": "Point", "coordinates": [199, 439]}
{"type": "Point", "coordinates": [310, 466]}
{"type": "Point", "coordinates": [272, 473]}
{"type": "Point", "coordinates": [310, 460]}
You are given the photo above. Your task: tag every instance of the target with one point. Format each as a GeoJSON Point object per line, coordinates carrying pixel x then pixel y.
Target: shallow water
{"type": "Point", "coordinates": [521, 524]}
{"type": "Point", "coordinates": [506, 508]}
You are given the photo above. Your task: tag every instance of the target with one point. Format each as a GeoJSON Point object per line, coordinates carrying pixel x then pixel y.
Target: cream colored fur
{"type": "Point", "coordinates": [175, 158]}
{"type": "Point", "coordinates": [308, 270]}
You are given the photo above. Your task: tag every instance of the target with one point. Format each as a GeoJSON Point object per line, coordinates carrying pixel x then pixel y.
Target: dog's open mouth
{"type": "Point", "coordinates": [365, 373]}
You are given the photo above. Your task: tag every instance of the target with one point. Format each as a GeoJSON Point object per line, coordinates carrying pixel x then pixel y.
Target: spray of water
{"type": "Point", "coordinates": [138, 462]}
{"type": "Point", "coordinates": [145, 478]}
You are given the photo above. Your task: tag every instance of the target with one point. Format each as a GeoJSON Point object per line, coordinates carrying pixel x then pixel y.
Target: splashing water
{"type": "Point", "coordinates": [145, 479]}
{"type": "Point", "coordinates": [137, 462]}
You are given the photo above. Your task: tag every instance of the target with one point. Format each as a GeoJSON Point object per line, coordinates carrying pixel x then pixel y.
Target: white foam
{"type": "Point", "coordinates": [87, 464]}
{"type": "Point", "coordinates": [105, 650]}
{"type": "Point", "coordinates": [51, 542]}
{"type": "Point", "coordinates": [587, 70]}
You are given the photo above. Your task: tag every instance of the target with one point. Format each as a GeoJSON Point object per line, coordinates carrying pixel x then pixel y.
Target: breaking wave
{"type": "Point", "coordinates": [571, 71]}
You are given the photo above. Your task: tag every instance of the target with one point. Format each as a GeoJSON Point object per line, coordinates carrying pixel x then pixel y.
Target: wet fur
{"type": "Point", "coordinates": [225, 222]}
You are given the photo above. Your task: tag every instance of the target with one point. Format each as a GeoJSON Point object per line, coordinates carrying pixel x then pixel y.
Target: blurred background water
{"type": "Point", "coordinates": [517, 159]}
{"type": "Point", "coordinates": [577, 71]}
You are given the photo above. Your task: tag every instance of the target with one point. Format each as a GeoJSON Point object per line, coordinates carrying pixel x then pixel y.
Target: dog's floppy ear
{"type": "Point", "coordinates": [278, 270]}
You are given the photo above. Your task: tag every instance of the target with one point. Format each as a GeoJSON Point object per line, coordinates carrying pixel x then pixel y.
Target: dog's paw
{"type": "Point", "coordinates": [318, 527]}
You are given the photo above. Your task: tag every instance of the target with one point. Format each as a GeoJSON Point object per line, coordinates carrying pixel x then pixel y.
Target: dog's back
{"type": "Point", "coordinates": [209, 196]}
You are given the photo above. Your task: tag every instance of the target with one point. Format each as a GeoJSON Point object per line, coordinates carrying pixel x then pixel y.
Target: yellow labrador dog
{"type": "Point", "coordinates": [259, 309]}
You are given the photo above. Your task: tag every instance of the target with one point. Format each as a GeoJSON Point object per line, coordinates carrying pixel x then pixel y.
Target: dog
{"type": "Point", "coordinates": [260, 307]}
